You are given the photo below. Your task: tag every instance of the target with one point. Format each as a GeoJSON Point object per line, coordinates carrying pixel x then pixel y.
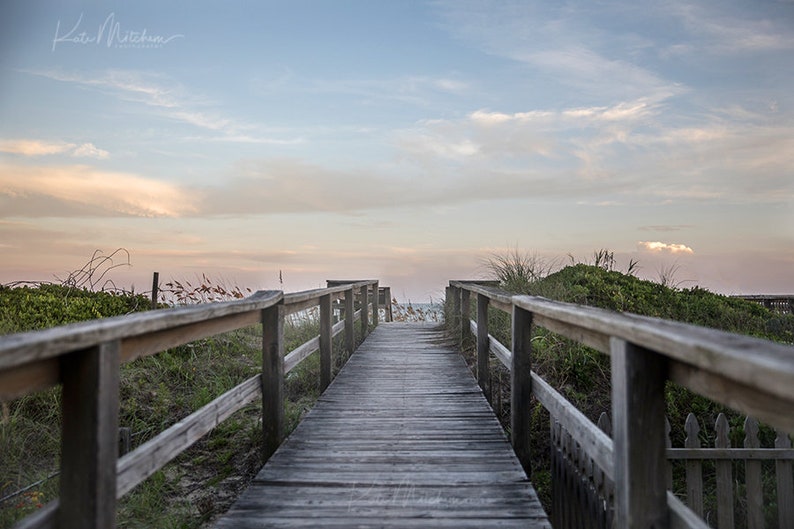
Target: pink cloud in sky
{"type": "Point", "coordinates": [656, 246]}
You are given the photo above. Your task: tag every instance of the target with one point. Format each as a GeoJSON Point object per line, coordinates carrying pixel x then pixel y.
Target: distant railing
{"type": "Point", "coordinates": [783, 304]}
{"type": "Point", "coordinates": [85, 359]}
{"type": "Point", "coordinates": [753, 376]}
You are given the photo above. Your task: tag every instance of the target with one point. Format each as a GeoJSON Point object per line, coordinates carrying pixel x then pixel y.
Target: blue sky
{"type": "Point", "coordinates": [400, 140]}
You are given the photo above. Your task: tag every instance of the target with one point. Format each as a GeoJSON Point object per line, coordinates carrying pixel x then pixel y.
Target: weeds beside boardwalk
{"type": "Point", "coordinates": [582, 374]}
{"type": "Point", "coordinates": [155, 392]}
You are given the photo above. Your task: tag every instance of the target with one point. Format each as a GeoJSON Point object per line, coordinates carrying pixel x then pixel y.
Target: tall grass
{"type": "Point", "coordinates": [582, 374]}
{"type": "Point", "coordinates": [155, 392]}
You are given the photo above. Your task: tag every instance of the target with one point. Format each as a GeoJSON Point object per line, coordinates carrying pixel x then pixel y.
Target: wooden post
{"type": "Point", "coordinates": [155, 288]}
{"type": "Point", "coordinates": [724, 475]}
{"type": "Point", "coordinates": [350, 330]}
{"type": "Point", "coordinates": [752, 473]}
{"type": "Point", "coordinates": [387, 295]}
{"type": "Point", "coordinates": [364, 292]}
{"type": "Point", "coordinates": [465, 316]}
{"type": "Point", "coordinates": [638, 407]}
{"type": "Point", "coordinates": [694, 467]}
{"type": "Point", "coordinates": [453, 295]}
{"type": "Point", "coordinates": [483, 346]}
{"type": "Point", "coordinates": [375, 304]}
{"type": "Point", "coordinates": [125, 441]}
{"type": "Point", "coordinates": [89, 443]}
{"type": "Point", "coordinates": [521, 386]}
{"type": "Point", "coordinates": [785, 483]}
{"type": "Point", "coordinates": [272, 379]}
{"type": "Point", "coordinates": [325, 341]}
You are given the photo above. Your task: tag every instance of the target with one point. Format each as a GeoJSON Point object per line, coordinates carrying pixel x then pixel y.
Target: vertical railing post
{"type": "Point", "coordinates": [387, 296]}
{"type": "Point", "coordinates": [465, 316]}
{"type": "Point", "coordinates": [452, 303]}
{"type": "Point", "coordinates": [483, 346]}
{"type": "Point", "coordinates": [272, 379]}
{"type": "Point", "coordinates": [638, 411]}
{"type": "Point", "coordinates": [785, 484]}
{"type": "Point", "coordinates": [155, 288]}
{"type": "Point", "coordinates": [89, 442]}
{"type": "Point", "coordinates": [325, 341]}
{"type": "Point", "coordinates": [521, 386]}
{"type": "Point", "coordinates": [350, 330]}
{"type": "Point", "coordinates": [375, 304]}
{"type": "Point", "coordinates": [364, 294]}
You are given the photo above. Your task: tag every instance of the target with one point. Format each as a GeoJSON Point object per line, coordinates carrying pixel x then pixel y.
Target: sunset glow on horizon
{"type": "Point", "coordinates": [275, 145]}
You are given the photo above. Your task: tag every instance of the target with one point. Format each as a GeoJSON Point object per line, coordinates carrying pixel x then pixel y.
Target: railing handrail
{"type": "Point", "coordinates": [22, 348]}
{"type": "Point", "coordinates": [92, 477]}
{"type": "Point", "coordinates": [762, 366]}
{"type": "Point", "coordinates": [749, 374]}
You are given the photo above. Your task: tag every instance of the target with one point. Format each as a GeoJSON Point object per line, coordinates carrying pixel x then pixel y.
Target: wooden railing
{"type": "Point", "coordinates": [783, 304]}
{"type": "Point", "coordinates": [753, 376]}
{"type": "Point", "coordinates": [84, 358]}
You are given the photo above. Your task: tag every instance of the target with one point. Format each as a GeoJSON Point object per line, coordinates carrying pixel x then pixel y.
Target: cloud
{"type": "Point", "coordinates": [724, 32]}
{"type": "Point", "coordinates": [658, 247]}
{"type": "Point", "coordinates": [81, 190]}
{"type": "Point", "coordinates": [164, 96]}
{"type": "Point", "coordinates": [570, 45]}
{"type": "Point", "coordinates": [88, 150]}
{"type": "Point", "coordinates": [32, 148]}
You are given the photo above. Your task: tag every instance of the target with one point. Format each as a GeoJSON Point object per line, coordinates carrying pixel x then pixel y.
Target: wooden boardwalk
{"type": "Point", "coordinates": [403, 437]}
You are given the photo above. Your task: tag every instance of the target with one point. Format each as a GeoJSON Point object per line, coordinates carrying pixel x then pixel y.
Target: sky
{"type": "Point", "coordinates": [400, 141]}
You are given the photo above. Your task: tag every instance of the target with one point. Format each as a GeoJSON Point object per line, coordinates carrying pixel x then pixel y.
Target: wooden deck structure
{"type": "Point", "coordinates": [403, 437]}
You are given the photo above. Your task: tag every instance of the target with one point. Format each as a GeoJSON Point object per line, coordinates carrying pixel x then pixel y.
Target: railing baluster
{"type": "Point", "coordinates": [272, 379]}
{"type": "Point", "coordinates": [375, 304]}
{"type": "Point", "coordinates": [350, 330]}
{"type": "Point", "coordinates": [638, 378]}
{"type": "Point", "coordinates": [325, 341]}
{"type": "Point", "coordinates": [785, 483]}
{"type": "Point", "coordinates": [89, 444]}
{"type": "Point", "coordinates": [521, 386]}
{"type": "Point", "coordinates": [483, 346]}
{"type": "Point", "coordinates": [465, 316]}
{"type": "Point", "coordinates": [364, 293]}
{"type": "Point", "coordinates": [387, 297]}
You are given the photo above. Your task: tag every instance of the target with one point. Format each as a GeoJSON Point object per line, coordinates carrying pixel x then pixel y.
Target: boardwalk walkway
{"type": "Point", "coordinates": [403, 437]}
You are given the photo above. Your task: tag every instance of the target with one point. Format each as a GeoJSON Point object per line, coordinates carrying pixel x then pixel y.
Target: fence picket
{"type": "Point", "coordinates": [752, 473]}
{"type": "Point", "coordinates": [785, 484]}
{"type": "Point", "coordinates": [694, 470]}
{"type": "Point", "coordinates": [724, 475]}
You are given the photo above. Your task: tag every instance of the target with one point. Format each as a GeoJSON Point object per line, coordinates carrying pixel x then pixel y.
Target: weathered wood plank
{"type": "Point", "coordinates": [402, 437]}
{"type": "Point", "coordinates": [23, 348]}
{"type": "Point", "coordinates": [272, 379]}
{"type": "Point", "coordinates": [350, 330]}
{"type": "Point", "coordinates": [596, 443]}
{"type": "Point", "coordinates": [521, 386]}
{"type": "Point", "coordinates": [325, 341]}
{"type": "Point", "coordinates": [483, 345]}
{"type": "Point", "coordinates": [89, 440]}
{"type": "Point", "coordinates": [724, 476]}
{"type": "Point", "coordinates": [694, 469]}
{"type": "Point", "coordinates": [638, 379]}
{"type": "Point", "coordinates": [785, 483]}
{"type": "Point", "coordinates": [22, 380]}
{"type": "Point", "coordinates": [752, 473]}
{"type": "Point", "coordinates": [155, 453]}
{"type": "Point", "coordinates": [753, 362]}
